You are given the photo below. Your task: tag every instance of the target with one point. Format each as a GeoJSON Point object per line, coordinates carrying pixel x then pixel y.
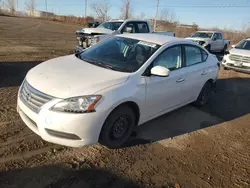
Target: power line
{"type": "Point", "coordinates": [207, 6]}
{"type": "Point", "coordinates": [85, 9]}
{"type": "Point", "coordinates": [156, 14]}
{"type": "Point", "coordinates": [46, 6]}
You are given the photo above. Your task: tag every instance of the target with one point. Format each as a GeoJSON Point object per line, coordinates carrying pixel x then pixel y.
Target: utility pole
{"type": "Point", "coordinates": [85, 13]}
{"type": "Point", "coordinates": [46, 5]}
{"type": "Point", "coordinates": [16, 5]}
{"type": "Point", "coordinates": [156, 15]}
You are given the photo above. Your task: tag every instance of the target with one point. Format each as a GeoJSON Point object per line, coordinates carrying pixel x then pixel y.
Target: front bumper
{"type": "Point", "coordinates": [74, 130]}
{"type": "Point", "coordinates": [241, 67]}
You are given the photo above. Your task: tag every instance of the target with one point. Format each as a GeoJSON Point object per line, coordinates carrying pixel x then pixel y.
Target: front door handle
{"type": "Point", "coordinates": [204, 73]}
{"type": "Point", "coordinates": [180, 80]}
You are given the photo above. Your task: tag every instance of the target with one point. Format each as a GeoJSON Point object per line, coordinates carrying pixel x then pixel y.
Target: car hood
{"type": "Point", "coordinates": [96, 31]}
{"type": "Point", "coordinates": [69, 76]}
{"type": "Point", "coordinates": [240, 52]}
{"type": "Point", "coordinates": [197, 39]}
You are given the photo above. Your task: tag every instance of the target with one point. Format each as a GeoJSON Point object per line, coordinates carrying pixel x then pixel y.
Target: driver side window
{"type": "Point", "coordinates": [128, 28]}
{"type": "Point", "coordinates": [170, 58]}
{"type": "Point", "coordinates": [215, 37]}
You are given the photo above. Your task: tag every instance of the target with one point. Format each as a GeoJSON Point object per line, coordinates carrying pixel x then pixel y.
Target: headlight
{"type": "Point", "coordinates": [81, 104]}
{"type": "Point", "coordinates": [95, 40]}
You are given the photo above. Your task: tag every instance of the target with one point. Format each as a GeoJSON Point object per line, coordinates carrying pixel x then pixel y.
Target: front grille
{"type": "Point", "coordinates": [84, 39]}
{"type": "Point", "coordinates": [32, 98]}
{"type": "Point", "coordinates": [239, 58]}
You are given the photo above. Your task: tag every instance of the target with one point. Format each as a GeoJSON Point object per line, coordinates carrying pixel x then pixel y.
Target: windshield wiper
{"type": "Point", "coordinates": [100, 63]}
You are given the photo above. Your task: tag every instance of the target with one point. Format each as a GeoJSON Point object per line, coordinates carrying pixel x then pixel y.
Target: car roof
{"type": "Point", "coordinates": [153, 38]}
{"type": "Point", "coordinates": [120, 20]}
{"type": "Point", "coordinates": [208, 31]}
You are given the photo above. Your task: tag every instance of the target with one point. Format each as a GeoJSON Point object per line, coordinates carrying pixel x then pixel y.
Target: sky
{"type": "Point", "coordinates": [231, 14]}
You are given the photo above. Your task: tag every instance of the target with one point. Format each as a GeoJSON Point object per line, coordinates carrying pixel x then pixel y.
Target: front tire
{"type": "Point", "coordinates": [225, 68]}
{"type": "Point", "coordinates": [118, 127]}
{"type": "Point", "coordinates": [224, 50]}
{"type": "Point", "coordinates": [208, 47]}
{"type": "Point", "coordinates": [205, 95]}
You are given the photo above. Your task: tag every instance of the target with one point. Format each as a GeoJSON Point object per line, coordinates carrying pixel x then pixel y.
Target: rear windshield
{"type": "Point", "coordinates": [202, 35]}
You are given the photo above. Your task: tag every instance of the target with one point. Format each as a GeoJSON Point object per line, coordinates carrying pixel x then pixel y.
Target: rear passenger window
{"type": "Point", "coordinates": [193, 55]}
{"type": "Point", "coordinates": [143, 28]}
{"type": "Point", "coordinates": [204, 55]}
{"type": "Point", "coordinates": [219, 36]}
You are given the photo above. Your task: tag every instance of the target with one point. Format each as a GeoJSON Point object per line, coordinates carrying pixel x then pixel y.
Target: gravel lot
{"type": "Point", "coordinates": [190, 147]}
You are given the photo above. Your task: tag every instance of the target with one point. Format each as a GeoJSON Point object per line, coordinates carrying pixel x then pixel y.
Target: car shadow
{"type": "Point", "coordinates": [230, 102]}
{"type": "Point", "coordinates": [57, 176]}
{"type": "Point", "coordinates": [219, 55]}
{"type": "Point", "coordinates": [13, 73]}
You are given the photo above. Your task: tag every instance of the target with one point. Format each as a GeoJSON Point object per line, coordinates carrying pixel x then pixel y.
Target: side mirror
{"type": "Point", "coordinates": [160, 71]}
{"type": "Point", "coordinates": [233, 46]}
{"type": "Point", "coordinates": [214, 38]}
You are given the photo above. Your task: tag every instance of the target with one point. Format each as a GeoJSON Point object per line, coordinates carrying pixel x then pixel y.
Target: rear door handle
{"type": "Point", "coordinates": [180, 80]}
{"type": "Point", "coordinates": [204, 72]}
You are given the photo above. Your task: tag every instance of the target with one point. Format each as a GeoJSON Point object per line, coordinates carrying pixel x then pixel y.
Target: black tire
{"type": "Point", "coordinates": [225, 68]}
{"type": "Point", "coordinates": [224, 50]}
{"type": "Point", "coordinates": [205, 95]}
{"type": "Point", "coordinates": [118, 127]}
{"type": "Point", "coordinates": [208, 47]}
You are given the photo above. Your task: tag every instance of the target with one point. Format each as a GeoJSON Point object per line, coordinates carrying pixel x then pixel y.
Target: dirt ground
{"type": "Point", "coordinates": [190, 147]}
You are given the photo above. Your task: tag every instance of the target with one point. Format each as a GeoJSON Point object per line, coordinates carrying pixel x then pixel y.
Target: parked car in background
{"type": "Point", "coordinates": [93, 24]}
{"type": "Point", "coordinates": [238, 57]}
{"type": "Point", "coordinates": [213, 41]}
{"type": "Point", "coordinates": [103, 93]}
{"type": "Point", "coordinates": [190, 35]}
{"type": "Point", "coordinates": [87, 37]}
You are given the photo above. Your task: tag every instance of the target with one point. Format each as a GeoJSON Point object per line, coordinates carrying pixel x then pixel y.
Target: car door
{"type": "Point", "coordinates": [196, 71]}
{"type": "Point", "coordinates": [164, 93]}
{"type": "Point", "coordinates": [220, 42]}
{"type": "Point", "coordinates": [214, 42]}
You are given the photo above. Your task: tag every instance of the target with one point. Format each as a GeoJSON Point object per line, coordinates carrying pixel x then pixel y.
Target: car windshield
{"type": "Point", "coordinates": [244, 45]}
{"type": "Point", "coordinates": [110, 25]}
{"type": "Point", "coordinates": [119, 53]}
{"type": "Point", "coordinates": [202, 35]}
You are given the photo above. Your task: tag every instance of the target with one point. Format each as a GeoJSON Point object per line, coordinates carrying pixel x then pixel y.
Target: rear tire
{"type": "Point", "coordinates": [118, 127]}
{"type": "Point", "coordinates": [205, 95]}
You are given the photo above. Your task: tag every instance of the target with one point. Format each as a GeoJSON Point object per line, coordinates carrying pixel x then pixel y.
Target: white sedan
{"type": "Point", "coordinates": [102, 93]}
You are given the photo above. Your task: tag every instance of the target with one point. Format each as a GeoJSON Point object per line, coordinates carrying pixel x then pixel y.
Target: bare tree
{"type": "Point", "coordinates": [101, 9]}
{"type": "Point", "coordinates": [11, 5]}
{"type": "Point", "coordinates": [168, 15]}
{"type": "Point", "coordinates": [126, 9]}
{"type": "Point", "coordinates": [30, 6]}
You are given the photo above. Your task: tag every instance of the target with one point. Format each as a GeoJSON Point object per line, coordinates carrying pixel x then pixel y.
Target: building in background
{"type": "Point", "coordinates": [38, 13]}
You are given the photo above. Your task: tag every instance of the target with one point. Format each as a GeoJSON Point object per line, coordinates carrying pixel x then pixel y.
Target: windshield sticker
{"type": "Point", "coordinates": [147, 44]}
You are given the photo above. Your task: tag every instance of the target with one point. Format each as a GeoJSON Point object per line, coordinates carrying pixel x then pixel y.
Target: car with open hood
{"type": "Point", "coordinates": [87, 37]}
{"type": "Point", "coordinates": [213, 41]}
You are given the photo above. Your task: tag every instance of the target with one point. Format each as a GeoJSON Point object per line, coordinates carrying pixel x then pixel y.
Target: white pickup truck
{"type": "Point", "coordinates": [87, 37]}
{"type": "Point", "coordinates": [213, 41]}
